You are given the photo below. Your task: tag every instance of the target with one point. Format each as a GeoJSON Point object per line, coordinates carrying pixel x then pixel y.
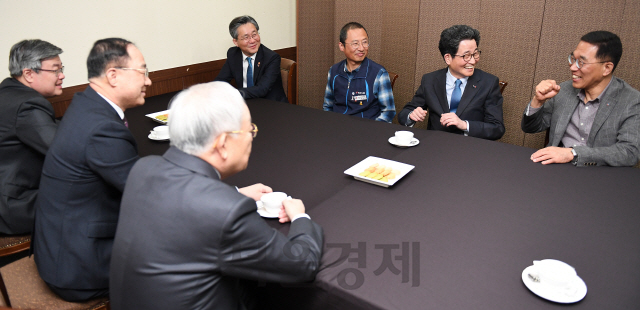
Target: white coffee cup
{"type": "Point", "coordinates": [273, 201]}
{"type": "Point", "coordinates": [160, 133]}
{"type": "Point", "coordinates": [404, 137]}
{"type": "Point", "coordinates": [554, 272]}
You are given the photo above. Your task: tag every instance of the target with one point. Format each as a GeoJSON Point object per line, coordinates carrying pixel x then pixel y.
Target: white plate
{"type": "Point", "coordinates": [361, 166]}
{"type": "Point", "coordinates": [156, 139]}
{"type": "Point", "coordinates": [413, 142]}
{"type": "Point", "coordinates": [153, 116]}
{"type": "Point", "coordinates": [263, 212]}
{"type": "Point", "coordinates": [573, 293]}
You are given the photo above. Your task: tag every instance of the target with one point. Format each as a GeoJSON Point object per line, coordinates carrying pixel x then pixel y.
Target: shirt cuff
{"type": "Point", "coordinates": [530, 110]}
{"type": "Point", "coordinates": [300, 216]}
{"type": "Point", "coordinates": [466, 132]}
{"type": "Point", "coordinates": [409, 121]}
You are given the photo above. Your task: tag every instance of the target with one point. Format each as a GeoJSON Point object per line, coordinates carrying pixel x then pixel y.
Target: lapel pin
{"type": "Point", "coordinates": [258, 64]}
{"type": "Point", "coordinates": [474, 86]}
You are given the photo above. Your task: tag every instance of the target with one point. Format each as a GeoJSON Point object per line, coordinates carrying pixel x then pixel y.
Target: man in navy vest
{"type": "Point", "coordinates": [460, 98]}
{"type": "Point", "coordinates": [358, 86]}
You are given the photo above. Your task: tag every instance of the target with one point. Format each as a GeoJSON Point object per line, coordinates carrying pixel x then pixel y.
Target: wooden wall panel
{"type": "Point", "coordinates": [399, 37]}
{"type": "Point", "coordinates": [564, 22]}
{"type": "Point", "coordinates": [509, 44]}
{"type": "Point", "coordinates": [315, 50]}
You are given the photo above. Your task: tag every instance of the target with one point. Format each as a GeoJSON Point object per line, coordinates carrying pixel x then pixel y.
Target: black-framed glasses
{"type": "Point", "coordinates": [580, 63]}
{"type": "Point", "coordinates": [253, 131]}
{"type": "Point", "coordinates": [355, 45]}
{"type": "Point", "coordinates": [467, 57]}
{"type": "Point", "coordinates": [144, 71]}
{"type": "Point", "coordinates": [56, 72]}
{"type": "Point", "coordinates": [246, 37]}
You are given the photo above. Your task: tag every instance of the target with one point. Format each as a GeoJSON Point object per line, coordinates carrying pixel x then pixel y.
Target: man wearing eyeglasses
{"type": "Point", "coordinates": [211, 235]}
{"type": "Point", "coordinates": [593, 119]}
{"type": "Point", "coordinates": [459, 99]}
{"type": "Point", "coordinates": [27, 127]}
{"type": "Point", "coordinates": [358, 86]}
{"type": "Point", "coordinates": [254, 67]}
{"type": "Point", "coordinates": [84, 174]}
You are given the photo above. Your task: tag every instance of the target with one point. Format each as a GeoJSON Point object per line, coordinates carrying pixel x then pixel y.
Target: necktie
{"type": "Point", "coordinates": [125, 122]}
{"type": "Point", "coordinates": [249, 73]}
{"type": "Point", "coordinates": [455, 97]}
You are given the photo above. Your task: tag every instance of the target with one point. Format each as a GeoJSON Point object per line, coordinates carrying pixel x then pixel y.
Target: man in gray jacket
{"type": "Point", "coordinates": [594, 119]}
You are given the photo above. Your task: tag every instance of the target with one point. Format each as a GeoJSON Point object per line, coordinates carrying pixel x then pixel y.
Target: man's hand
{"type": "Point", "coordinates": [290, 209]}
{"type": "Point", "coordinates": [451, 119]}
{"type": "Point", "coordinates": [255, 191]}
{"type": "Point", "coordinates": [418, 114]}
{"type": "Point", "coordinates": [552, 155]}
{"type": "Point", "coordinates": [545, 90]}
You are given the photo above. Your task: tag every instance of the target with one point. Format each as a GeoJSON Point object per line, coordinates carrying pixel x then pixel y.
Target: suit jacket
{"type": "Point", "coordinates": [27, 127]}
{"type": "Point", "coordinates": [267, 79]}
{"type": "Point", "coordinates": [82, 182]}
{"type": "Point", "coordinates": [185, 238]}
{"type": "Point", "coordinates": [480, 105]}
{"type": "Point", "coordinates": [614, 138]}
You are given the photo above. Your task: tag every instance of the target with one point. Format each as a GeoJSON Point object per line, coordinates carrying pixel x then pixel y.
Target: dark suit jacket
{"type": "Point", "coordinates": [614, 139]}
{"type": "Point", "coordinates": [27, 127]}
{"type": "Point", "coordinates": [267, 79]}
{"type": "Point", "coordinates": [185, 239]}
{"type": "Point", "coordinates": [481, 104]}
{"type": "Point", "coordinates": [82, 182]}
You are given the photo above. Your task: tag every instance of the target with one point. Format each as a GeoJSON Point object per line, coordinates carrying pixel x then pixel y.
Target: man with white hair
{"type": "Point", "coordinates": [185, 238]}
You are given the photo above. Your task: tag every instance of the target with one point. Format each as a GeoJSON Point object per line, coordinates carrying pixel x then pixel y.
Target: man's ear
{"type": "Point", "coordinates": [220, 145]}
{"type": "Point", "coordinates": [112, 76]}
{"type": "Point", "coordinates": [341, 46]}
{"type": "Point", "coordinates": [607, 68]}
{"type": "Point", "coordinates": [448, 59]}
{"type": "Point", "coordinates": [235, 42]}
{"type": "Point", "coordinates": [28, 75]}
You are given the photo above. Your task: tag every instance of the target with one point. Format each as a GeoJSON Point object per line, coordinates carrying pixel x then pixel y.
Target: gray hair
{"type": "Point", "coordinates": [239, 21]}
{"type": "Point", "coordinates": [201, 113]}
{"type": "Point", "coordinates": [29, 54]}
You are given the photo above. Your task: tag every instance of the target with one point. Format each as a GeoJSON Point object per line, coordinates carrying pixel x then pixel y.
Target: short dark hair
{"type": "Point", "coordinates": [450, 38]}
{"type": "Point", "coordinates": [29, 54]}
{"type": "Point", "coordinates": [347, 27]}
{"type": "Point", "coordinates": [239, 21]}
{"type": "Point", "coordinates": [105, 52]}
{"type": "Point", "coordinates": [609, 46]}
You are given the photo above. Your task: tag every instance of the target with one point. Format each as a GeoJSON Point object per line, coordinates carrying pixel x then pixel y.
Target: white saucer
{"type": "Point", "coordinates": [413, 142]}
{"type": "Point", "coordinates": [573, 293]}
{"type": "Point", "coordinates": [263, 212]}
{"type": "Point", "coordinates": [156, 139]}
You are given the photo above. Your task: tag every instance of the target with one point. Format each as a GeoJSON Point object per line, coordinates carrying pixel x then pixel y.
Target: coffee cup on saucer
{"type": "Point", "coordinates": [273, 201]}
{"type": "Point", "coordinates": [160, 133]}
{"type": "Point", "coordinates": [554, 273]}
{"type": "Point", "coordinates": [403, 137]}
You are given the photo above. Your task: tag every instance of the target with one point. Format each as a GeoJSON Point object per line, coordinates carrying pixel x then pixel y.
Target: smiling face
{"type": "Point", "coordinates": [592, 73]}
{"type": "Point", "coordinates": [251, 45]}
{"type": "Point", "coordinates": [457, 66]}
{"type": "Point", "coordinates": [132, 84]}
{"type": "Point", "coordinates": [48, 83]}
{"type": "Point", "coordinates": [355, 55]}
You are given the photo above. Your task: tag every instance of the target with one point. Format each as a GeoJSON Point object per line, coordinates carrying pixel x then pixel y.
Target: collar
{"type": "Point", "coordinates": [356, 70]}
{"type": "Point", "coordinates": [253, 57]}
{"type": "Point", "coordinates": [583, 96]}
{"type": "Point", "coordinates": [113, 105]}
{"type": "Point", "coordinates": [191, 162]}
{"type": "Point", "coordinates": [451, 80]}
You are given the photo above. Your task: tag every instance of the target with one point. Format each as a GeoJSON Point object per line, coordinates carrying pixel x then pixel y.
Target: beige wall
{"type": "Point", "coordinates": [169, 33]}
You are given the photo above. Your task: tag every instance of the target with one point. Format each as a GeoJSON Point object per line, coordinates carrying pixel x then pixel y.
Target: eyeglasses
{"type": "Point", "coordinates": [246, 37]}
{"type": "Point", "coordinates": [56, 72]}
{"type": "Point", "coordinates": [355, 45]}
{"type": "Point", "coordinates": [467, 57]}
{"type": "Point", "coordinates": [253, 131]}
{"type": "Point", "coordinates": [144, 71]}
{"type": "Point", "coordinates": [580, 63]}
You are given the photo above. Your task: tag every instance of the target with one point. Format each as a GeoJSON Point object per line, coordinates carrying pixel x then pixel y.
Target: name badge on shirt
{"type": "Point", "coordinates": [359, 97]}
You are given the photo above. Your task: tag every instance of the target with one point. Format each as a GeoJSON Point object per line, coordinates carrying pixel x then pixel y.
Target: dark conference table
{"type": "Point", "coordinates": [454, 233]}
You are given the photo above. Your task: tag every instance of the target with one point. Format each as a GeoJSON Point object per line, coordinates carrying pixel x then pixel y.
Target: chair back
{"type": "Point", "coordinates": [503, 84]}
{"type": "Point", "coordinates": [23, 288]}
{"type": "Point", "coordinates": [14, 244]}
{"type": "Point", "coordinates": [289, 70]}
{"type": "Point", "coordinates": [393, 77]}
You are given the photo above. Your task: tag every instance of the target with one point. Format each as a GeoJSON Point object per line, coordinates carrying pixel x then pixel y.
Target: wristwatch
{"type": "Point", "coordinates": [574, 161]}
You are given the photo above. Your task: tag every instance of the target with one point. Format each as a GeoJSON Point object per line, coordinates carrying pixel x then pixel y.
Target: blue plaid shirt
{"type": "Point", "coordinates": [381, 90]}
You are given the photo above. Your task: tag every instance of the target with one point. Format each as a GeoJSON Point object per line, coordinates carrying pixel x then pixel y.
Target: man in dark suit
{"type": "Point", "coordinates": [255, 68]}
{"type": "Point", "coordinates": [84, 174]}
{"type": "Point", "coordinates": [184, 237]}
{"type": "Point", "coordinates": [594, 119]}
{"type": "Point", "coordinates": [460, 98]}
{"type": "Point", "coordinates": [27, 127]}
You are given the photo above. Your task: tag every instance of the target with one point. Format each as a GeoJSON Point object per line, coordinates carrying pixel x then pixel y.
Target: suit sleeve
{"type": "Point", "coordinates": [112, 153]}
{"type": "Point", "coordinates": [253, 250]}
{"type": "Point", "coordinates": [492, 126]}
{"type": "Point", "coordinates": [225, 73]}
{"type": "Point", "coordinates": [539, 121]}
{"type": "Point", "coordinates": [417, 101]}
{"type": "Point", "coordinates": [36, 126]}
{"type": "Point", "coordinates": [267, 81]}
